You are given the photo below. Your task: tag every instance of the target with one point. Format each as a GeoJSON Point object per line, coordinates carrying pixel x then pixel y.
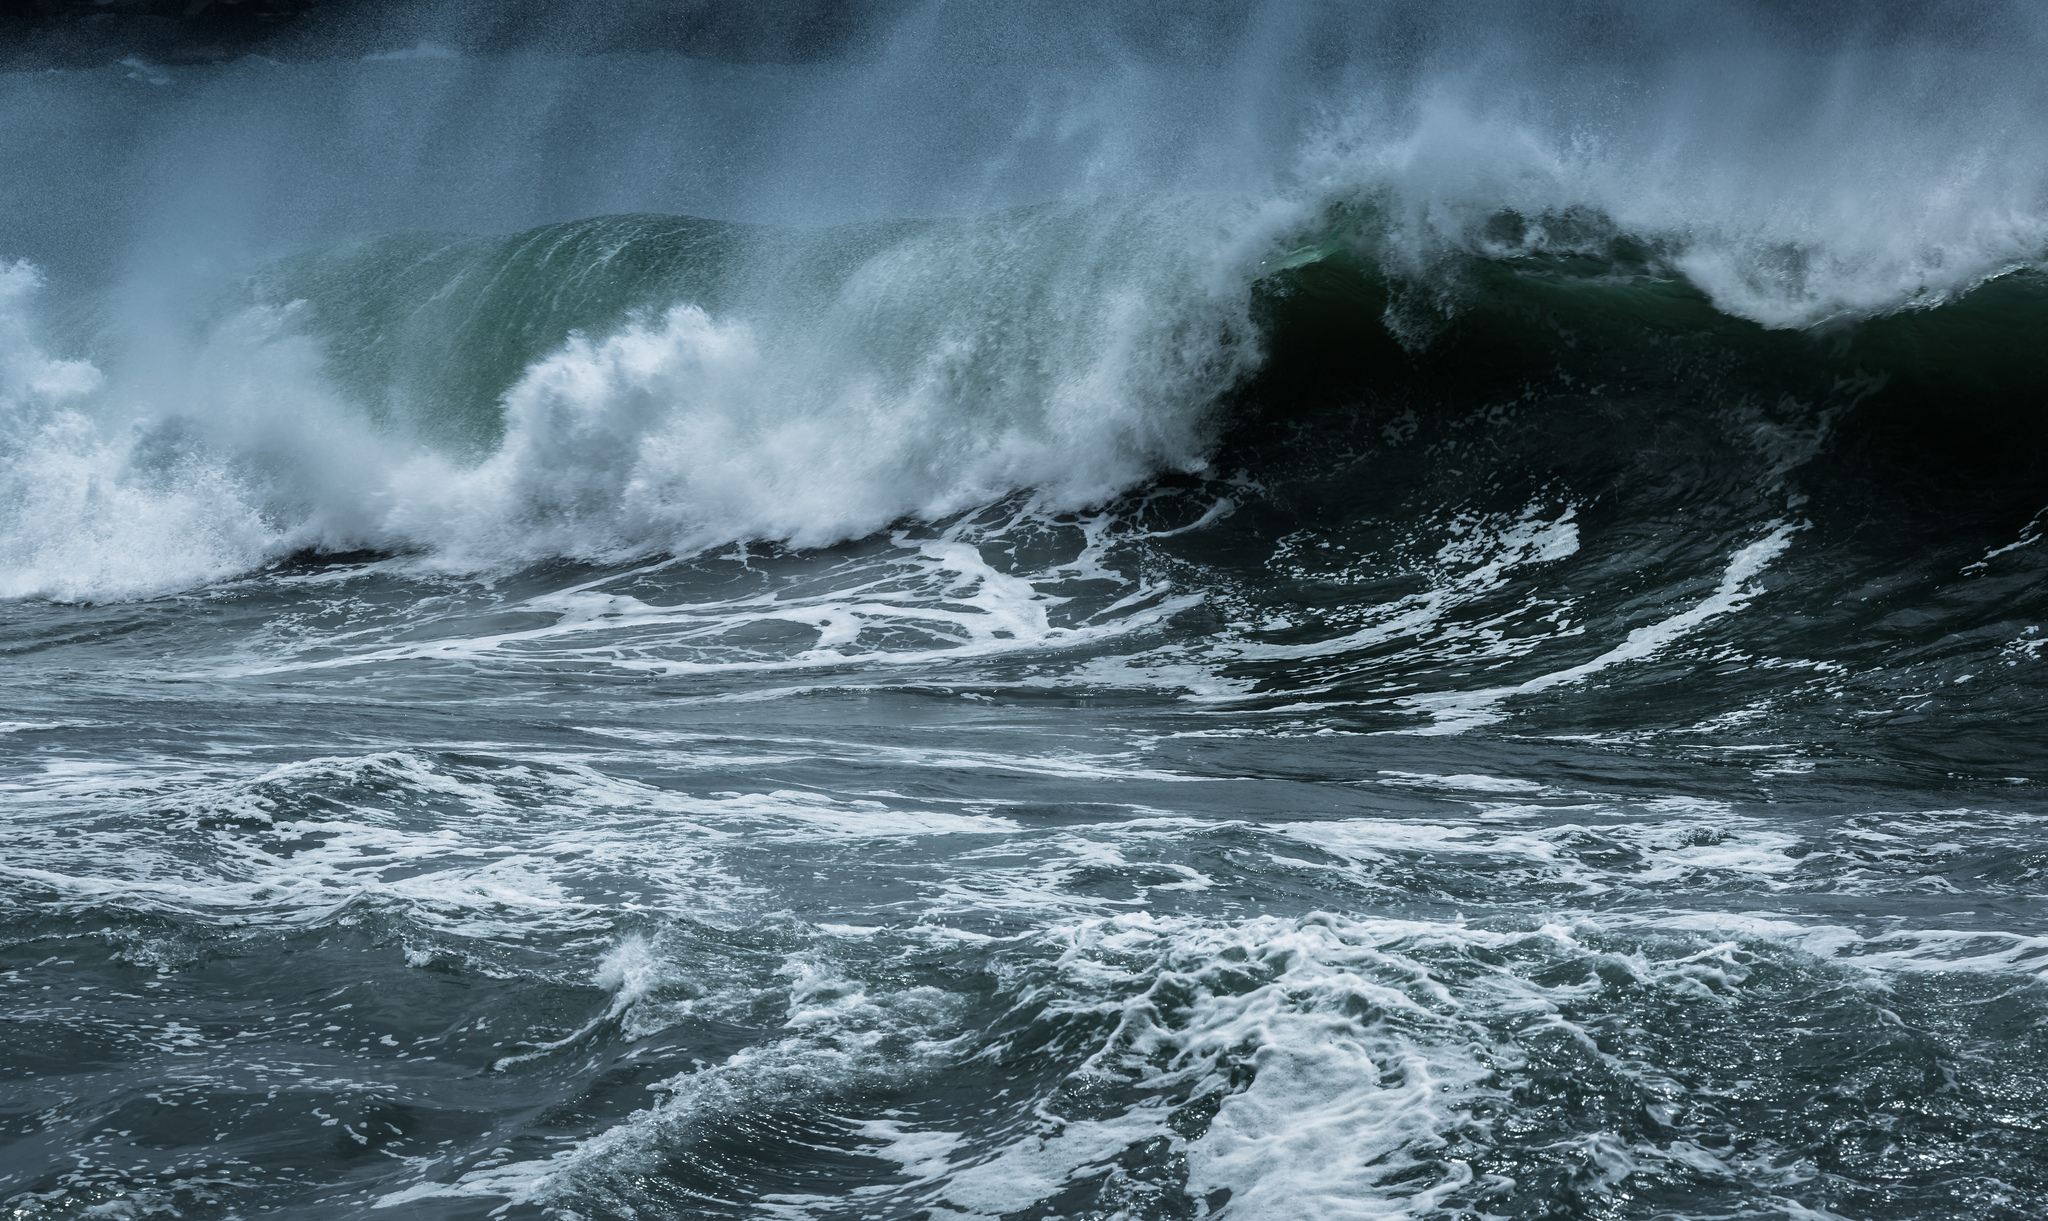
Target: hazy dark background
{"type": "Point", "coordinates": [41, 34]}
{"type": "Point", "coordinates": [83, 33]}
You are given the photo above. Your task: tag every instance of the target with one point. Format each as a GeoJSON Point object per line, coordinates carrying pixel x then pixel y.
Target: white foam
{"type": "Point", "coordinates": [1454, 712]}
{"type": "Point", "coordinates": [476, 869]}
{"type": "Point", "coordinates": [918, 601]}
{"type": "Point", "coordinates": [185, 471]}
{"type": "Point", "coordinates": [1791, 186]}
{"type": "Point", "coordinates": [68, 516]}
{"type": "Point", "coordinates": [1468, 783]}
{"type": "Point", "coordinates": [837, 1036]}
{"type": "Point", "coordinates": [1478, 558]}
{"type": "Point", "coordinates": [629, 972]}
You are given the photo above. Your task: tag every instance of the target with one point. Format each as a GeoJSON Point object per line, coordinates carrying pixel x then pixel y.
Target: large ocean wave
{"type": "Point", "coordinates": [277, 359]}
{"type": "Point", "coordinates": [642, 384]}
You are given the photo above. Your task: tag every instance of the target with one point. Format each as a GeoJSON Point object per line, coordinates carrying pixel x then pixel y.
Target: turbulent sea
{"type": "Point", "coordinates": [1276, 613]}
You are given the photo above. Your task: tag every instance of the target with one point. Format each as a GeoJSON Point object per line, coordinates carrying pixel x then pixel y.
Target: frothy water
{"type": "Point", "coordinates": [1283, 613]}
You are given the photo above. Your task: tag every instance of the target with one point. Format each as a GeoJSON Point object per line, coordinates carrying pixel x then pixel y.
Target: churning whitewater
{"type": "Point", "coordinates": [1286, 612]}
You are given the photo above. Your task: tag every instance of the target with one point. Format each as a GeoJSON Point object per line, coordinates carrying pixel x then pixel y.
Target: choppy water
{"type": "Point", "coordinates": [1474, 677]}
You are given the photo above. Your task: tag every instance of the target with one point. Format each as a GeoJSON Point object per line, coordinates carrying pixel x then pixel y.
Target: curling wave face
{"type": "Point", "coordinates": [502, 400]}
{"type": "Point", "coordinates": [634, 385]}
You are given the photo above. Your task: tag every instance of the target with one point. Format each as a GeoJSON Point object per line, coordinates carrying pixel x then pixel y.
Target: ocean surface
{"type": "Point", "coordinates": [1287, 613]}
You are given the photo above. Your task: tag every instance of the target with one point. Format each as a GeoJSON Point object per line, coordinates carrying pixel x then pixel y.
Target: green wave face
{"type": "Point", "coordinates": [1339, 322]}
{"type": "Point", "coordinates": [429, 331]}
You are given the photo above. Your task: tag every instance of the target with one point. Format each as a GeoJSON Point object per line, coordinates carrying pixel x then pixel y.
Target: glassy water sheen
{"type": "Point", "coordinates": [1272, 612]}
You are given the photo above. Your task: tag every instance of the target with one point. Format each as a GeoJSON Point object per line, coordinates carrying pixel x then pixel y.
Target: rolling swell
{"type": "Point", "coordinates": [1626, 444]}
{"type": "Point", "coordinates": [1501, 468]}
{"type": "Point", "coordinates": [507, 301]}
{"type": "Point", "coordinates": [1578, 410]}
{"type": "Point", "coordinates": [453, 322]}
{"type": "Point", "coordinates": [1339, 325]}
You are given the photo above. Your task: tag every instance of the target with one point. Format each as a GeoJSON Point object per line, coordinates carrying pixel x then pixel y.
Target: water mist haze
{"type": "Point", "coordinates": [1070, 611]}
